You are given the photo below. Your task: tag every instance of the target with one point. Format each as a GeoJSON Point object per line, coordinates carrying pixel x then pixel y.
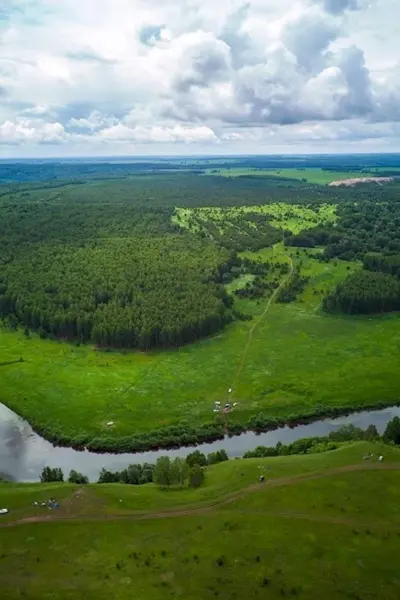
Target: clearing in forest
{"type": "Point", "coordinates": [292, 217]}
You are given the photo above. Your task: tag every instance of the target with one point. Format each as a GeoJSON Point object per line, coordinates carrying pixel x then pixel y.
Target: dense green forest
{"type": "Point", "coordinates": [365, 292]}
{"type": "Point", "coordinates": [368, 231]}
{"type": "Point", "coordinates": [104, 261]}
{"type": "Point", "coordinates": [128, 292]}
{"type": "Point", "coordinates": [365, 225]}
{"type": "Point", "coordinates": [108, 266]}
{"type": "Point", "coordinates": [107, 262]}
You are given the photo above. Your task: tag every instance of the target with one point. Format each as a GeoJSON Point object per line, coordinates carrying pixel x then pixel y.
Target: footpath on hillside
{"type": "Point", "coordinates": [218, 503]}
{"type": "Point", "coordinates": [259, 320]}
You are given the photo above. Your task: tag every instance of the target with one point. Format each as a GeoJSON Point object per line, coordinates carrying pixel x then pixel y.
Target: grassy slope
{"type": "Point", "coordinates": [337, 536]}
{"type": "Point", "coordinates": [312, 175]}
{"type": "Point", "coordinates": [299, 357]}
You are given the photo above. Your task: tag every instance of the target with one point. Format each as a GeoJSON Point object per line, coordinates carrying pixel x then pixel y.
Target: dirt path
{"type": "Point", "coordinates": [258, 321]}
{"type": "Point", "coordinates": [225, 501]}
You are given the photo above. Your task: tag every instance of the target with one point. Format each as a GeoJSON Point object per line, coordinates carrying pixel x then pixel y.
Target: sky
{"type": "Point", "coordinates": [170, 77]}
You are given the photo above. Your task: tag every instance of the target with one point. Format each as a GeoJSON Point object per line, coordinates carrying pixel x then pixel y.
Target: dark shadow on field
{"type": "Point", "coordinates": [11, 362]}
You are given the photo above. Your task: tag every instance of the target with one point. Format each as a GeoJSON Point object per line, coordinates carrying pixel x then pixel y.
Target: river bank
{"type": "Point", "coordinates": [24, 453]}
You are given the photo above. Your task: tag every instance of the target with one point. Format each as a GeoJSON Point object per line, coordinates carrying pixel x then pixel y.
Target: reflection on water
{"type": "Point", "coordinates": [23, 453]}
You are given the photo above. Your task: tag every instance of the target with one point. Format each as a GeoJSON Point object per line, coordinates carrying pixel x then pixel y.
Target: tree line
{"type": "Point", "coordinates": [166, 472]}
{"type": "Point", "coordinates": [346, 433]}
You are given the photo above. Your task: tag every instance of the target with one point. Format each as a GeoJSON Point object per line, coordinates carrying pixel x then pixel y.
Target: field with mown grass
{"type": "Point", "coordinates": [321, 526]}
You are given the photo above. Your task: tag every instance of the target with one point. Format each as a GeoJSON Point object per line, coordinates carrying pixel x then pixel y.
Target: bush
{"type": "Point", "coordinates": [322, 447]}
{"type": "Point", "coordinates": [48, 475]}
{"type": "Point", "coordinates": [347, 433]}
{"type": "Point", "coordinates": [217, 457]}
{"type": "Point", "coordinates": [133, 475]}
{"type": "Point", "coordinates": [75, 477]}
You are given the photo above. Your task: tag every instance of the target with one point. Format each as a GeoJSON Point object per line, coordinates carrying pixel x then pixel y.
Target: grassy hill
{"type": "Point", "coordinates": [322, 525]}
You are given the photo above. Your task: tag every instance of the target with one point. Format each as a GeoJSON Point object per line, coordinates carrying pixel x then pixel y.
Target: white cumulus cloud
{"type": "Point", "coordinates": [227, 76]}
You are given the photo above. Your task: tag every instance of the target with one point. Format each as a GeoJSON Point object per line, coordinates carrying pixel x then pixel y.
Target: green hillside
{"type": "Point", "coordinates": [320, 526]}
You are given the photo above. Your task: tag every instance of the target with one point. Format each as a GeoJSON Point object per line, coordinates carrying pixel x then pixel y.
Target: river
{"type": "Point", "coordinates": [23, 453]}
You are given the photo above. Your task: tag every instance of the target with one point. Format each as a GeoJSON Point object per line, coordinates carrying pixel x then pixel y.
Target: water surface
{"type": "Point", "coordinates": [23, 453]}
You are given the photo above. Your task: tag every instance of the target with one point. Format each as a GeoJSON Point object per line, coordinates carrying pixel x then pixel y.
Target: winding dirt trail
{"type": "Point", "coordinates": [258, 321]}
{"type": "Point", "coordinates": [225, 501]}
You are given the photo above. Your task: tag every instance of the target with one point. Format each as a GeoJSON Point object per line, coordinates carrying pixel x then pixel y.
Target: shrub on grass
{"type": "Point", "coordinates": [75, 477]}
{"type": "Point", "coordinates": [217, 457]}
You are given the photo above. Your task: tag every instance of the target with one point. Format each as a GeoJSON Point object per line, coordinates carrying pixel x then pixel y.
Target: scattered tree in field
{"type": "Point", "coordinates": [217, 457]}
{"type": "Point", "coordinates": [163, 472]}
{"type": "Point", "coordinates": [392, 431]}
{"type": "Point", "coordinates": [196, 476]}
{"type": "Point", "coordinates": [180, 471]}
{"type": "Point", "coordinates": [196, 458]}
{"type": "Point", "coordinates": [371, 433]}
{"type": "Point", "coordinates": [169, 472]}
{"type": "Point", "coordinates": [293, 287]}
{"type": "Point", "coordinates": [75, 477]}
{"type": "Point", "coordinates": [347, 433]}
{"type": "Point", "coordinates": [133, 475]}
{"type": "Point", "coordinates": [49, 475]}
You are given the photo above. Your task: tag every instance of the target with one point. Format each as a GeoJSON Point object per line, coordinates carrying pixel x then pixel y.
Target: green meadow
{"type": "Point", "coordinates": [299, 359]}
{"type": "Point", "coordinates": [321, 526]}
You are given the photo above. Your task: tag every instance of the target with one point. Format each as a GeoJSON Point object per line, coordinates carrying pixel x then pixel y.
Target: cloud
{"type": "Point", "coordinates": [227, 75]}
{"type": "Point", "coordinates": [95, 121]}
{"type": "Point", "coordinates": [238, 40]}
{"type": "Point", "coordinates": [308, 36]}
{"type": "Point", "coordinates": [359, 99]}
{"type": "Point", "coordinates": [339, 6]}
{"type": "Point", "coordinates": [89, 56]}
{"type": "Point", "coordinates": [161, 135]}
{"type": "Point", "coordinates": [27, 131]}
{"type": "Point", "coordinates": [197, 59]}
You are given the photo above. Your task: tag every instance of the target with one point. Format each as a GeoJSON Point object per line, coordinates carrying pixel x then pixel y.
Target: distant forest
{"type": "Point", "coordinates": [101, 260]}
{"type": "Point", "coordinates": [105, 168]}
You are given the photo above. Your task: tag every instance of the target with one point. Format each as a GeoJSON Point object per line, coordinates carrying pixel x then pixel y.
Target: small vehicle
{"type": "Point", "coordinates": [3, 511]}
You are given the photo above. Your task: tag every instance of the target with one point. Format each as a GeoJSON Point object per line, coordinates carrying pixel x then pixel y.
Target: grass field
{"type": "Point", "coordinates": [293, 217]}
{"type": "Point", "coordinates": [311, 175]}
{"type": "Point", "coordinates": [299, 359]}
{"type": "Point", "coordinates": [321, 526]}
